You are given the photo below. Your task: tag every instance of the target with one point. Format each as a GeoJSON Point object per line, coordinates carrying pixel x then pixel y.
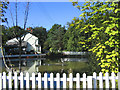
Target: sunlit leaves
{"type": "Point", "coordinates": [3, 7]}
{"type": "Point", "coordinates": [103, 32]}
{"type": "Point", "coordinates": [116, 10]}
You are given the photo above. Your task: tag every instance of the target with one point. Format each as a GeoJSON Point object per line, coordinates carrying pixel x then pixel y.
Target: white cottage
{"type": "Point", "coordinates": [31, 42]}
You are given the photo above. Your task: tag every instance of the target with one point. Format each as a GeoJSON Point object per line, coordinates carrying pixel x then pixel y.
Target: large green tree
{"type": "Point", "coordinates": [55, 38]}
{"type": "Point", "coordinates": [102, 27]}
{"type": "Point", "coordinates": [41, 33]}
{"type": "Point", "coordinates": [73, 36]}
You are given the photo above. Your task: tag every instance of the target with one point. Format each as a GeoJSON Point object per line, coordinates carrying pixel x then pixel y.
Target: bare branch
{"type": "Point", "coordinates": [25, 18]}
{"type": "Point", "coordinates": [26, 15]}
{"type": "Point", "coordinates": [16, 12]}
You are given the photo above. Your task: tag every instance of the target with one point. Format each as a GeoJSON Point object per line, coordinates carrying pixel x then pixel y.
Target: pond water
{"type": "Point", "coordinates": [56, 65]}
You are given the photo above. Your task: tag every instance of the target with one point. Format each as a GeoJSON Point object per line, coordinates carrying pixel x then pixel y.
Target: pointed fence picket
{"type": "Point", "coordinates": [58, 80]}
{"type": "Point", "coordinates": [4, 80]}
{"type": "Point", "coordinates": [21, 80]}
{"type": "Point", "coordinates": [45, 81]}
{"type": "Point", "coordinates": [33, 80]}
{"type": "Point", "coordinates": [78, 80]}
{"type": "Point", "coordinates": [84, 81]}
{"type": "Point", "coordinates": [39, 79]}
{"type": "Point", "coordinates": [27, 80]}
{"type": "Point", "coordinates": [70, 80]}
{"type": "Point", "coordinates": [10, 79]}
{"type": "Point", "coordinates": [64, 81]}
{"type": "Point", "coordinates": [100, 80]}
{"type": "Point", "coordinates": [15, 80]}
{"type": "Point", "coordinates": [113, 80]}
{"type": "Point", "coordinates": [1, 81]}
{"type": "Point", "coordinates": [49, 81]}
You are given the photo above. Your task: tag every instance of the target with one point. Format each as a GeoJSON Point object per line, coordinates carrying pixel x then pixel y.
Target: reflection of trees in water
{"type": "Point", "coordinates": [49, 65]}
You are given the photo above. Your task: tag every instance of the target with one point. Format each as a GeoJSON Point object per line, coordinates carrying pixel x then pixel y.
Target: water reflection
{"type": "Point", "coordinates": [27, 65]}
{"type": "Point", "coordinates": [60, 65]}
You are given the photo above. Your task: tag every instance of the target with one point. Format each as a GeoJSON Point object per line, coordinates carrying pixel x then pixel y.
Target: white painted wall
{"type": "Point", "coordinates": [32, 42]}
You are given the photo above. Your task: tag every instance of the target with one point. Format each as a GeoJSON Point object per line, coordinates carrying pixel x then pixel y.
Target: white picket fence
{"type": "Point", "coordinates": [25, 81]}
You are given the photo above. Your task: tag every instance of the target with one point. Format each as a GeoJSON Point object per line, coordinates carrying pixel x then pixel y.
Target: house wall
{"type": "Point", "coordinates": [32, 42]}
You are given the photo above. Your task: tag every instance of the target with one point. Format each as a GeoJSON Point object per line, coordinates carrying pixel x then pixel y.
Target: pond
{"type": "Point", "coordinates": [56, 65]}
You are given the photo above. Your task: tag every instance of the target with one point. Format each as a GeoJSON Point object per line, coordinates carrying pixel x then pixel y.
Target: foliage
{"type": "Point", "coordinates": [4, 34]}
{"type": "Point", "coordinates": [73, 36]}
{"type": "Point", "coordinates": [41, 33]}
{"type": "Point", "coordinates": [3, 7]}
{"type": "Point", "coordinates": [12, 32]}
{"type": "Point", "coordinates": [9, 33]}
{"type": "Point", "coordinates": [55, 38]}
{"type": "Point", "coordinates": [102, 27]}
{"type": "Point", "coordinates": [16, 31]}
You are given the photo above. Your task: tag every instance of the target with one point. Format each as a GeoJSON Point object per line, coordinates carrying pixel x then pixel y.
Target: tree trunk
{"type": "Point", "coordinates": [20, 45]}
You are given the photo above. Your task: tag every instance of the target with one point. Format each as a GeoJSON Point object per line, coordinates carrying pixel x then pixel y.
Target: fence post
{"type": "Point", "coordinates": [89, 82]}
{"type": "Point", "coordinates": [58, 80]}
{"type": "Point", "coordinates": [51, 81]}
{"type": "Point", "coordinates": [100, 80]}
{"type": "Point", "coordinates": [0, 81]}
{"type": "Point", "coordinates": [77, 80]}
{"type": "Point", "coordinates": [27, 80]}
{"type": "Point", "coordinates": [64, 81]}
{"type": "Point", "coordinates": [84, 81]}
{"type": "Point", "coordinates": [107, 80]}
{"type": "Point", "coordinates": [15, 80]}
{"type": "Point", "coordinates": [70, 80]}
{"type": "Point", "coordinates": [33, 80]}
{"type": "Point", "coordinates": [4, 80]}
{"type": "Point", "coordinates": [10, 80]}
{"type": "Point", "coordinates": [113, 80]}
{"type": "Point", "coordinates": [95, 80]}
{"type": "Point", "coordinates": [21, 80]}
{"type": "Point", "coordinates": [118, 80]}
{"type": "Point", "coordinates": [45, 81]}
{"type": "Point", "coordinates": [39, 80]}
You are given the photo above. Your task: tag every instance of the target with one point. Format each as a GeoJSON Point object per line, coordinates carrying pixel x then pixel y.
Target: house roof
{"type": "Point", "coordinates": [26, 38]}
{"type": "Point", "coordinates": [16, 44]}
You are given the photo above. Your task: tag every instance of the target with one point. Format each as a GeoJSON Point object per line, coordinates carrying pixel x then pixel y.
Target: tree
{"type": "Point", "coordinates": [4, 34]}
{"type": "Point", "coordinates": [104, 37]}
{"type": "Point", "coordinates": [55, 38]}
{"type": "Point", "coordinates": [3, 7]}
{"type": "Point", "coordinates": [17, 31]}
{"type": "Point", "coordinates": [73, 36]}
{"type": "Point", "coordinates": [41, 33]}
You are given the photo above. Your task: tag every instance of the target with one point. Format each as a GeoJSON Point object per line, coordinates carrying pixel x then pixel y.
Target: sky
{"type": "Point", "coordinates": [44, 14]}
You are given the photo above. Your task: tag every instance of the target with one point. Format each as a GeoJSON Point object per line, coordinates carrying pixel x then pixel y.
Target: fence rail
{"type": "Point", "coordinates": [74, 53]}
{"type": "Point", "coordinates": [49, 81]}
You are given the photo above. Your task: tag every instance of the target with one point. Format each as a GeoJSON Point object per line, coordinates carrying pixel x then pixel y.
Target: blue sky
{"type": "Point", "coordinates": [44, 14]}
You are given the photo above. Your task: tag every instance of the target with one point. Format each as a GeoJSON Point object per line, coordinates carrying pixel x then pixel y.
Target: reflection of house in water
{"type": "Point", "coordinates": [33, 67]}
{"type": "Point", "coordinates": [30, 43]}
{"type": "Point", "coordinates": [27, 65]}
